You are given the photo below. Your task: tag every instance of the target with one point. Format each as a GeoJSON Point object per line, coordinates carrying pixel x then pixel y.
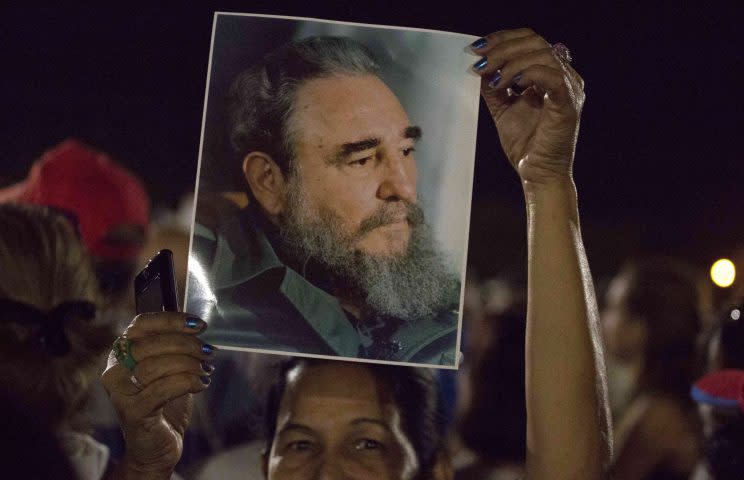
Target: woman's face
{"type": "Point", "coordinates": [624, 334]}
{"type": "Point", "coordinates": [336, 421]}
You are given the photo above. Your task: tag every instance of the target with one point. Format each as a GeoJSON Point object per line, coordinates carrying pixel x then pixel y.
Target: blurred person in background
{"type": "Point", "coordinates": [492, 418]}
{"type": "Point", "coordinates": [651, 322]}
{"type": "Point", "coordinates": [29, 448]}
{"type": "Point", "coordinates": [720, 398]}
{"type": "Point", "coordinates": [110, 209]}
{"type": "Point", "coordinates": [108, 205]}
{"type": "Point", "coordinates": [51, 341]}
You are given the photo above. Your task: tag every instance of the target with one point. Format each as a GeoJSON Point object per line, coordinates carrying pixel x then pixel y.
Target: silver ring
{"type": "Point", "coordinates": [136, 382]}
{"type": "Point", "coordinates": [562, 51]}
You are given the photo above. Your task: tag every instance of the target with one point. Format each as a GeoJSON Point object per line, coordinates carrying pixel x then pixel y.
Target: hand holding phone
{"type": "Point", "coordinates": [155, 286]}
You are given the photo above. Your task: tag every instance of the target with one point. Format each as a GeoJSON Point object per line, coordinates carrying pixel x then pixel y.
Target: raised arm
{"type": "Point", "coordinates": [568, 427]}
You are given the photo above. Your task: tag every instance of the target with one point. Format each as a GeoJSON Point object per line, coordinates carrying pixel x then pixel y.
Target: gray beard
{"type": "Point", "coordinates": [411, 286]}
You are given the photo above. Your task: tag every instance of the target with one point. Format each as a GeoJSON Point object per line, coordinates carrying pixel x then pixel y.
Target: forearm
{"type": "Point", "coordinates": [568, 431]}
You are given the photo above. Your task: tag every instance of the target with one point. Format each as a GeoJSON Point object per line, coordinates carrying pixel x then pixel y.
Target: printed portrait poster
{"type": "Point", "coordinates": [334, 189]}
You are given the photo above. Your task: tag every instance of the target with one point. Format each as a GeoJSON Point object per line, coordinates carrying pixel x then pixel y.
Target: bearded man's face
{"type": "Point", "coordinates": [350, 201]}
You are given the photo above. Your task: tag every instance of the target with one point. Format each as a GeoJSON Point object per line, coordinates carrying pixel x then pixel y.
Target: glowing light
{"type": "Point", "coordinates": [735, 314]}
{"type": "Point", "coordinates": [723, 272]}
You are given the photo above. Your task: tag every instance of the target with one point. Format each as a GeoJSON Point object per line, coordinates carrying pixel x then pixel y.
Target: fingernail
{"type": "Point", "coordinates": [206, 380]}
{"type": "Point", "coordinates": [480, 43]}
{"type": "Point", "coordinates": [207, 349]}
{"type": "Point", "coordinates": [207, 367]}
{"type": "Point", "coordinates": [517, 78]}
{"type": "Point", "coordinates": [480, 64]}
{"type": "Point", "coordinates": [495, 80]}
{"type": "Point", "coordinates": [194, 323]}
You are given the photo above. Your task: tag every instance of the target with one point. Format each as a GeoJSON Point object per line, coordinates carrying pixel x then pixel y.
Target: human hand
{"type": "Point", "coordinates": [537, 129]}
{"type": "Point", "coordinates": [171, 364]}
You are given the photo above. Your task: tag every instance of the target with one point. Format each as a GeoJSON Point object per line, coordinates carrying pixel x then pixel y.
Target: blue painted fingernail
{"type": "Point", "coordinates": [193, 323]}
{"type": "Point", "coordinates": [207, 367]}
{"type": "Point", "coordinates": [517, 78]}
{"type": "Point", "coordinates": [480, 64]}
{"type": "Point", "coordinates": [207, 349]}
{"type": "Point", "coordinates": [495, 80]}
{"type": "Point", "coordinates": [206, 380]}
{"type": "Point", "coordinates": [480, 43]}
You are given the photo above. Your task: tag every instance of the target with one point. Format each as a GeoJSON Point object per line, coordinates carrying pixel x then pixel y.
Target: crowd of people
{"type": "Point", "coordinates": [529, 399]}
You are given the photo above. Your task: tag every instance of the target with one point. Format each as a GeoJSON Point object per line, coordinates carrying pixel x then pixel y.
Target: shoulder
{"type": "Point", "coordinates": [660, 424]}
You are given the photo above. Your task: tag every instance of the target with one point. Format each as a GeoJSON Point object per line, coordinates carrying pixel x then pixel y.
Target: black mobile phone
{"type": "Point", "coordinates": [155, 286]}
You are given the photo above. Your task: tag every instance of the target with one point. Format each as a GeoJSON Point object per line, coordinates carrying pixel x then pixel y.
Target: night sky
{"type": "Point", "coordinates": [658, 166]}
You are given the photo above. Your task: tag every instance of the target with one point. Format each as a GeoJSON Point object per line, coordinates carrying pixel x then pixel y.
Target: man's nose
{"type": "Point", "coordinates": [398, 179]}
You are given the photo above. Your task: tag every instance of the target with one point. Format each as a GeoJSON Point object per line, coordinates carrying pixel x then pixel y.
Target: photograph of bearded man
{"type": "Point", "coordinates": [327, 249]}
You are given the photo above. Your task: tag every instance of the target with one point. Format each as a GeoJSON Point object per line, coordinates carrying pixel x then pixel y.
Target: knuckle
{"type": "Point", "coordinates": [143, 371]}
{"type": "Point", "coordinates": [107, 380]}
{"type": "Point", "coordinates": [195, 345]}
{"type": "Point", "coordinates": [126, 413]}
{"type": "Point", "coordinates": [138, 350]}
{"type": "Point", "coordinates": [160, 389]}
{"type": "Point", "coordinates": [540, 42]}
{"type": "Point", "coordinates": [136, 323]}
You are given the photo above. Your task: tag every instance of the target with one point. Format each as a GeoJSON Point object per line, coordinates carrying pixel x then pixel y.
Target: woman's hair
{"type": "Point", "coordinates": [46, 269]}
{"type": "Point", "coordinates": [414, 392]}
{"type": "Point", "coordinates": [666, 296]}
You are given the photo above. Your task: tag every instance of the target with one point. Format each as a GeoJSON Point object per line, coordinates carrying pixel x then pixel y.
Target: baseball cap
{"type": "Point", "coordinates": [724, 388]}
{"type": "Point", "coordinates": [87, 184]}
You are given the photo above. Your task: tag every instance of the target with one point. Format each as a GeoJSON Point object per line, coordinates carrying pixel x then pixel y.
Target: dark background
{"type": "Point", "coordinates": [658, 165]}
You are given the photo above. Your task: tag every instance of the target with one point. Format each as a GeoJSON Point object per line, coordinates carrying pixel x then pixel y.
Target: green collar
{"type": "Point", "coordinates": [244, 254]}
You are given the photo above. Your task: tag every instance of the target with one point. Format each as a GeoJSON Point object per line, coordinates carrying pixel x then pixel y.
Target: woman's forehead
{"type": "Point", "coordinates": [339, 381]}
{"type": "Point", "coordinates": [335, 395]}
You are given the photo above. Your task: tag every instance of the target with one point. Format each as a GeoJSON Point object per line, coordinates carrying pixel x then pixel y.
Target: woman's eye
{"type": "Point", "coordinates": [408, 151]}
{"type": "Point", "coordinates": [367, 444]}
{"type": "Point", "coordinates": [300, 445]}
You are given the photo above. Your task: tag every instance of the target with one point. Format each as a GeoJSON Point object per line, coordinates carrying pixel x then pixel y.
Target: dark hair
{"type": "Point", "coordinates": [665, 295]}
{"type": "Point", "coordinates": [724, 451]}
{"type": "Point", "coordinates": [261, 99]}
{"type": "Point", "coordinates": [414, 392]}
{"type": "Point", "coordinates": [44, 267]}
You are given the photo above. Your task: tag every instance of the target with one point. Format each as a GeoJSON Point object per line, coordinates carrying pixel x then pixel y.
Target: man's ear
{"type": "Point", "coordinates": [266, 181]}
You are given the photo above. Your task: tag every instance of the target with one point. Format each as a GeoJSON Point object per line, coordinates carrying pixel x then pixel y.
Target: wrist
{"type": "Point", "coordinates": [549, 189]}
{"type": "Point", "coordinates": [130, 469]}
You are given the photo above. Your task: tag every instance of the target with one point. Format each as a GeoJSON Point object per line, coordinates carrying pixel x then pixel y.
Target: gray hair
{"type": "Point", "coordinates": [261, 99]}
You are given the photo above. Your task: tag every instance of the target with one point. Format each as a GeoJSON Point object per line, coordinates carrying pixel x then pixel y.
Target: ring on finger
{"type": "Point", "coordinates": [136, 382]}
{"type": "Point", "coordinates": [123, 352]}
{"type": "Point", "coordinates": [562, 52]}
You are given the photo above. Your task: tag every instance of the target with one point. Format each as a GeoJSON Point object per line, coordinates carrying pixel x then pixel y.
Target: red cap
{"type": "Point", "coordinates": [102, 195]}
{"type": "Point", "coordinates": [724, 388]}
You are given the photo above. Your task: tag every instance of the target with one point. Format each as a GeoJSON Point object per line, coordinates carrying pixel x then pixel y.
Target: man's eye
{"type": "Point", "coordinates": [360, 162]}
{"type": "Point", "coordinates": [408, 151]}
{"type": "Point", "coordinates": [367, 444]}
